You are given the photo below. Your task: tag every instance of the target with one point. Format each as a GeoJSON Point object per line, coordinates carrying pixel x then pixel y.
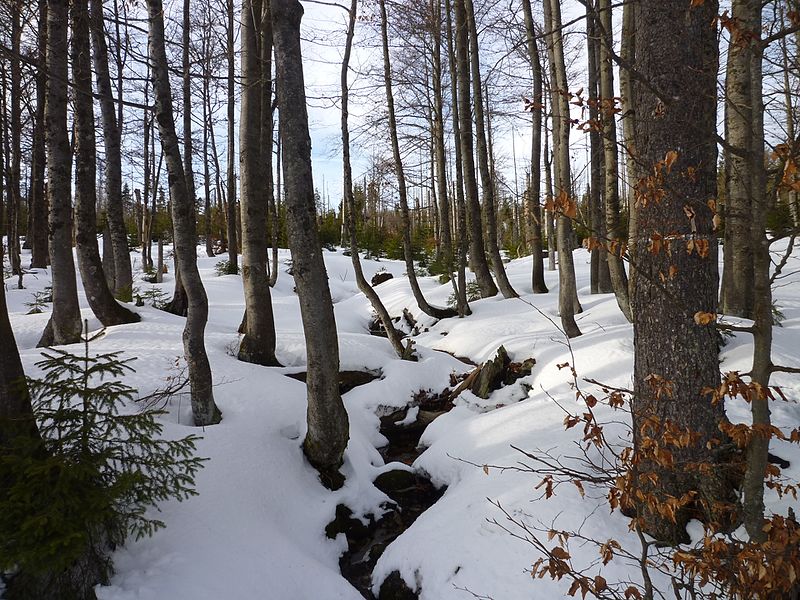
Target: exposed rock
{"type": "Point", "coordinates": [394, 588]}
{"type": "Point", "coordinates": [348, 380]}
{"type": "Point", "coordinates": [380, 277]}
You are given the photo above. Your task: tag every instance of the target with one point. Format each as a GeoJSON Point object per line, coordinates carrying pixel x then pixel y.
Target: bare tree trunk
{"type": "Point", "coordinates": [680, 64]}
{"type": "Point", "coordinates": [548, 184]}
{"type": "Point", "coordinates": [350, 202]}
{"type": "Point", "coordinates": [183, 214]}
{"type": "Point", "coordinates": [445, 234]}
{"type": "Point", "coordinates": [487, 183]}
{"type": "Point", "coordinates": [461, 209]}
{"type": "Point", "coordinates": [64, 326]}
{"type": "Point", "coordinates": [433, 311]}
{"type": "Point", "coordinates": [534, 187]}
{"type": "Point", "coordinates": [258, 343]}
{"type": "Point", "coordinates": [328, 426]}
{"type": "Point", "coordinates": [233, 238]}
{"type": "Point", "coordinates": [99, 296]}
{"type": "Point", "coordinates": [615, 243]}
{"type": "Point", "coordinates": [476, 249]}
{"type": "Point", "coordinates": [187, 106]}
{"type": "Point", "coordinates": [627, 53]}
{"type": "Point", "coordinates": [13, 169]}
{"type": "Point", "coordinates": [38, 203]}
{"type": "Point", "coordinates": [275, 206]}
{"type": "Point", "coordinates": [123, 277]}
{"type": "Point", "coordinates": [737, 296]}
{"type": "Point", "coordinates": [567, 292]}
{"type": "Point", "coordinates": [206, 166]}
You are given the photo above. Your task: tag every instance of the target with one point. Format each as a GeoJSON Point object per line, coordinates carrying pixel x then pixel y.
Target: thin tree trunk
{"type": "Point", "coordinates": [477, 251]}
{"type": "Point", "coordinates": [98, 294]}
{"type": "Point", "coordinates": [436, 312]}
{"type": "Point", "coordinates": [548, 184]}
{"type": "Point", "coordinates": [615, 243]}
{"type": "Point", "coordinates": [487, 182]}
{"type": "Point", "coordinates": [233, 238]}
{"type": "Point", "coordinates": [461, 209]}
{"type": "Point", "coordinates": [534, 187]}
{"type": "Point", "coordinates": [38, 203]}
{"type": "Point", "coordinates": [258, 343]}
{"type": "Point", "coordinates": [65, 325]}
{"type": "Point", "coordinates": [328, 426]}
{"type": "Point", "coordinates": [350, 202]}
{"type": "Point", "coordinates": [121, 260]}
{"type": "Point", "coordinates": [567, 292]}
{"type": "Point", "coordinates": [627, 53]}
{"type": "Point", "coordinates": [14, 175]}
{"type": "Point", "coordinates": [183, 214]}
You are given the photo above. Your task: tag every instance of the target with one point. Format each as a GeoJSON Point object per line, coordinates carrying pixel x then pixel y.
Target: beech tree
{"type": "Point", "coordinates": [258, 343]}
{"type": "Point", "coordinates": [328, 425]}
{"type": "Point", "coordinates": [183, 216]}
{"type": "Point", "coordinates": [64, 326]}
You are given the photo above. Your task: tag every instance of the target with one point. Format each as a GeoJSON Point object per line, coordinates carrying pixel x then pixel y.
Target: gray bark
{"type": "Point", "coordinates": [38, 200]}
{"type": "Point", "coordinates": [64, 326]}
{"type": "Point", "coordinates": [476, 249]}
{"type": "Point", "coordinates": [433, 311]}
{"type": "Point", "coordinates": [122, 274]}
{"type": "Point", "coordinates": [567, 292]}
{"type": "Point", "coordinates": [183, 215]}
{"type": "Point", "coordinates": [233, 238]}
{"type": "Point", "coordinates": [258, 343]}
{"type": "Point", "coordinates": [328, 426]}
{"type": "Point", "coordinates": [98, 294]}
{"type": "Point", "coordinates": [487, 181]}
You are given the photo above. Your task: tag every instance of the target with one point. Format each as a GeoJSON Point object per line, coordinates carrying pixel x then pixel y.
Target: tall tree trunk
{"type": "Point", "coordinates": [187, 106]}
{"type": "Point", "coordinates": [206, 160]}
{"type": "Point", "coordinates": [445, 234]}
{"type": "Point", "coordinates": [567, 292]}
{"type": "Point", "coordinates": [328, 425]}
{"type": "Point", "coordinates": [350, 203]}
{"type": "Point", "coordinates": [476, 248]}
{"type": "Point", "coordinates": [615, 243]}
{"type": "Point", "coordinates": [13, 169]}
{"type": "Point", "coordinates": [112, 140]}
{"type": "Point", "coordinates": [183, 215]}
{"type": "Point", "coordinates": [258, 343]}
{"type": "Point", "coordinates": [38, 203]}
{"type": "Point", "coordinates": [628, 54]}
{"type": "Point", "coordinates": [99, 296]}
{"type": "Point", "coordinates": [461, 208]}
{"type": "Point", "coordinates": [267, 135]}
{"type": "Point", "coordinates": [676, 286]}
{"type": "Point", "coordinates": [233, 238]}
{"type": "Point", "coordinates": [600, 279]}
{"type": "Point", "coordinates": [433, 311]}
{"type": "Point", "coordinates": [737, 296]}
{"type": "Point", "coordinates": [64, 326]}
{"type": "Point", "coordinates": [534, 187]}
{"type": "Point", "coordinates": [548, 184]}
{"type": "Point", "coordinates": [487, 181]}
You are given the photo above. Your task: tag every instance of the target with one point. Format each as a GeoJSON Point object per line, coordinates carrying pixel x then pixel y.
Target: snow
{"type": "Point", "coordinates": [256, 529]}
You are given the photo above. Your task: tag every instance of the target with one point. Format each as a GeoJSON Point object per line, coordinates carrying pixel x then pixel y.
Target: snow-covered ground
{"type": "Point", "coordinates": [256, 530]}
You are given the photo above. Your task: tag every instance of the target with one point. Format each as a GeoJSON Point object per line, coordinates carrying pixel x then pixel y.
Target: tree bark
{"type": "Point", "coordinates": [567, 291]}
{"type": "Point", "coordinates": [183, 215]}
{"type": "Point", "coordinates": [350, 202]}
{"type": "Point", "coordinates": [461, 209]}
{"type": "Point", "coordinates": [737, 294]}
{"type": "Point", "coordinates": [534, 188]}
{"type": "Point", "coordinates": [233, 238]}
{"type": "Point", "coordinates": [615, 242]}
{"type": "Point", "coordinates": [328, 426]}
{"type": "Point", "coordinates": [258, 343]}
{"type": "Point", "coordinates": [487, 181]}
{"type": "Point", "coordinates": [678, 58]}
{"type": "Point", "coordinates": [476, 249]}
{"type": "Point", "coordinates": [38, 201]}
{"type": "Point", "coordinates": [112, 140]}
{"type": "Point", "coordinates": [98, 294]}
{"type": "Point", "coordinates": [433, 311]}
{"type": "Point", "coordinates": [64, 326]}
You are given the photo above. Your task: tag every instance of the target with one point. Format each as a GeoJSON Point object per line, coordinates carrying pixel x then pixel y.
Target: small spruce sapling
{"type": "Point", "coordinates": [92, 480]}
